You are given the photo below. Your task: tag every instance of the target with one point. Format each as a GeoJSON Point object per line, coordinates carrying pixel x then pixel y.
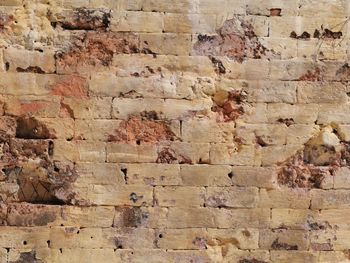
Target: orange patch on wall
{"type": "Point", "coordinates": [73, 86]}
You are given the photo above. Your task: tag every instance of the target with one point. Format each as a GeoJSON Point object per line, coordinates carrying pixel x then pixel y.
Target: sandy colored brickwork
{"type": "Point", "coordinates": [185, 131]}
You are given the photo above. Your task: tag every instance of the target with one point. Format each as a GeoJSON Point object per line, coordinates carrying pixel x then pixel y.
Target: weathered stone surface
{"type": "Point", "coordinates": [174, 131]}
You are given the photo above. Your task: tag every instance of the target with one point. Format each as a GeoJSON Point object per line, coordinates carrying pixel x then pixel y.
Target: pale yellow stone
{"type": "Point", "coordinates": [271, 91]}
{"type": "Point", "coordinates": [93, 108]}
{"type": "Point", "coordinates": [293, 256]}
{"type": "Point", "coordinates": [235, 197]}
{"type": "Point", "coordinates": [270, 239]}
{"type": "Point", "coordinates": [95, 130]}
{"type": "Point", "coordinates": [207, 130]}
{"type": "Point", "coordinates": [189, 23]}
{"type": "Point", "coordinates": [284, 198]}
{"type": "Point", "coordinates": [179, 196]}
{"type": "Point", "coordinates": [20, 59]}
{"type": "Point", "coordinates": [205, 175]}
{"type": "Point", "coordinates": [137, 22]}
{"type": "Point", "coordinates": [254, 176]}
{"type": "Point", "coordinates": [152, 174]}
{"type": "Point", "coordinates": [221, 153]}
{"type": "Point", "coordinates": [131, 153]}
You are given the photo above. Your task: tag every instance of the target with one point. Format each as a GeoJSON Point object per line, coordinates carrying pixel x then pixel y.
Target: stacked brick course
{"type": "Point", "coordinates": [174, 131]}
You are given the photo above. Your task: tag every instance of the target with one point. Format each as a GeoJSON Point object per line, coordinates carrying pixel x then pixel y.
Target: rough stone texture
{"type": "Point", "coordinates": [185, 131]}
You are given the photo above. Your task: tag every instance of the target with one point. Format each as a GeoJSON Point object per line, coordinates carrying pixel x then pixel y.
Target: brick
{"type": "Point", "coordinates": [205, 175]}
{"type": "Point", "coordinates": [137, 22]}
{"type": "Point", "coordinates": [189, 23]}
{"type": "Point", "coordinates": [122, 108]}
{"type": "Point", "coordinates": [129, 153]}
{"type": "Point", "coordinates": [322, 199]}
{"type": "Point", "coordinates": [79, 151]}
{"type": "Point", "coordinates": [29, 61]}
{"type": "Point", "coordinates": [284, 239]}
{"type": "Point", "coordinates": [300, 113]}
{"type": "Point", "coordinates": [170, 196]}
{"type": "Point", "coordinates": [254, 176]}
{"type": "Point", "coordinates": [204, 130]}
{"type": "Point", "coordinates": [271, 91]}
{"type": "Point", "coordinates": [236, 197]}
{"type": "Point", "coordinates": [228, 154]}
{"type": "Point", "coordinates": [119, 195]}
{"type": "Point", "coordinates": [95, 130]}
{"type": "Point", "coordinates": [169, 44]}
{"type": "Point", "coordinates": [295, 256]}
{"type": "Point", "coordinates": [284, 199]}
{"type": "Point", "coordinates": [94, 108]}
{"type": "Point", "coordinates": [152, 174]}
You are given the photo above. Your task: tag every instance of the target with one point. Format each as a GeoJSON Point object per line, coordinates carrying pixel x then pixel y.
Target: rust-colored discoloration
{"type": "Point", "coordinates": [72, 86]}
{"type": "Point", "coordinates": [142, 130]}
{"type": "Point", "coordinates": [31, 107]}
{"type": "Point", "coordinates": [312, 75]}
{"type": "Point", "coordinates": [321, 246]}
{"type": "Point", "coordinates": [5, 20]}
{"type": "Point", "coordinates": [230, 106]}
{"type": "Point", "coordinates": [168, 155]}
{"type": "Point", "coordinates": [275, 11]}
{"type": "Point", "coordinates": [86, 19]}
{"type": "Point", "coordinates": [27, 257]}
{"type": "Point", "coordinates": [97, 49]}
{"type": "Point", "coordinates": [295, 173]}
{"type": "Point", "coordinates": [236, 39]}
{"type": "Point", "coordinates": [277, 245]}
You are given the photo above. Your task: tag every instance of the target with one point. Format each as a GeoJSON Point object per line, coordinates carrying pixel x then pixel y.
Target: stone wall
{"type": "Point", "coordinates": [174, 131]}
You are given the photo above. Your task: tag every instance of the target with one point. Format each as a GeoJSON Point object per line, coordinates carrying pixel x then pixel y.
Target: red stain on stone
{"type": "Point", "coordinates": [98, 49]}
{"type": "Point", "coordinates": [72, 86]}
{"type": "Point", "coordinates": [231, 109]}
{"type": "Point", "coordinates": [312, 75]}
{"type": "Point", "coordinates": [31, 107]}
{"type": "Point", "coordinates": [137, 130]}
{"type": "Point", "coordinates": [236, 39]}
{"type": "Point", "coordinates": [5, 20]}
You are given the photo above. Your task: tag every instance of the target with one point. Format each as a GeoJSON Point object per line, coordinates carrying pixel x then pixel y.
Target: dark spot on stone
{"type": "Point", "coordinates": [125, 173]}
{"type": "Point", "coordinates": [86, 19]}
{"type": "Point", "coordinates": [276, 245]}
{"type": "Point", "coordinates": [305, 35]}
{"type": "Point", "coordinates": [27, 257]}
{"type": "Point", "coordinates": [219, 67]}
{"type": "Point", "coordinates": [200, 242]}
{"type": "Point", "coordinates": [260, 141]}
{"type": "Point", "coordinates": [7, 66]}
{"type": "Point", "coordinates": [330, 34]}
{"type": "Point", "coordinates": [317, 33]}
{"type": "Point", "coordinates": [31, 128]}
{"type": "Point", "coordinates": [133, 197]}
{"type": "Point", "coordinates": [166, 155]}
{"type": "Point", "coordinates": [287, 121]}
{"type": "Point", "coordinates": [31, 69]}
{"type": "Point", "coordinates": [312, 75]}
{"type": "Point", "coordinates": [129, 217]}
